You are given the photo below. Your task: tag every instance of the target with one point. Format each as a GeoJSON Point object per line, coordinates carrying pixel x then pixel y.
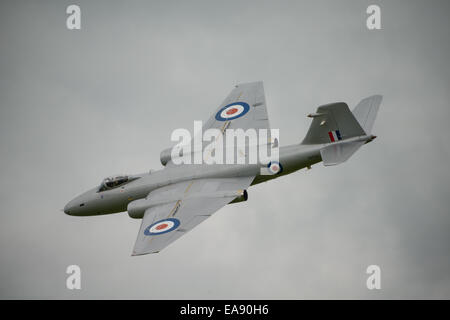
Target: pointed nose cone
{"type": "Point", "coordinates": [67, 208]}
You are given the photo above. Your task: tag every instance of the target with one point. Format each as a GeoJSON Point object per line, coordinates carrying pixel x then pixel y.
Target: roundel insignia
{"type": "Point", "coordinates": [232, 111]}
{"type": "Point", "coordinates": [162, 226]}
{"type": "Point", "coordinates": [275, 167]}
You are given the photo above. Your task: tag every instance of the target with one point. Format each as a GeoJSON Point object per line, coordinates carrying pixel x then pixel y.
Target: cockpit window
{"type": "Point", "coordinates": [113, 182]}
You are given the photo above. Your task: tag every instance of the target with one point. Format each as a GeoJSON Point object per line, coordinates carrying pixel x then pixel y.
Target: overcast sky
{"type": "Point", "coordinates": [76, 106]}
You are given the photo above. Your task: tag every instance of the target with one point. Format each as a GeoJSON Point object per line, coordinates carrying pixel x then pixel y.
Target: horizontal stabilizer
{"type": "Point", "coordinates": [337, 153]}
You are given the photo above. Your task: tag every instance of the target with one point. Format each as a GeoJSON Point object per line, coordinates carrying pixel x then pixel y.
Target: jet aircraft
{"type": "Point", "coordinates": [175, 199]}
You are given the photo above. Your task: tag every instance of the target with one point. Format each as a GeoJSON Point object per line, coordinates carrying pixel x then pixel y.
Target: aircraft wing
{"type": "Point", "coordinates": [182, 206]}
{"type": "Point", "coordinates": [244, 107]}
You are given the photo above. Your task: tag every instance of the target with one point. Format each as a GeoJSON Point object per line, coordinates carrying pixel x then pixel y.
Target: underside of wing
{"type": "Point", "coordinates": [182, 206]}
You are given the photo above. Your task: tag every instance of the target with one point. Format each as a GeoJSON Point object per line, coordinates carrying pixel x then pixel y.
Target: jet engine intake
{"type": "Point", "coordinates": [166, 155]}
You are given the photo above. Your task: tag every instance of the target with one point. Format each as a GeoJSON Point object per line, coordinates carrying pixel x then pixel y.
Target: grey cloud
{"type": "Point", "coordinates": [80, 105]}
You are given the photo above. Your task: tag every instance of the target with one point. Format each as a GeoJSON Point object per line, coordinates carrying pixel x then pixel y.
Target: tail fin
{"type": "Point", "coordinates": [366, 112]}
{"type": "Point", "coordinates": [332, 122]}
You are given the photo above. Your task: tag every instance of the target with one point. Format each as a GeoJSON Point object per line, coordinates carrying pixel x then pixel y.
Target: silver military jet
{"type": "Point", "coordinates": [175, 199]}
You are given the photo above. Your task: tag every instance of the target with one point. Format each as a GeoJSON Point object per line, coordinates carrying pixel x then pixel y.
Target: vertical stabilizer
{"type": "Point", "coordinates": [331, 123]}
{"type": "Point", "coordinates": [340, 131]}
{"type": "Point", "coordinates": [366, 112]}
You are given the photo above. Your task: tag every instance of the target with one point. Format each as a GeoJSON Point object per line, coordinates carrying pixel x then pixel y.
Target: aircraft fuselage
{"type": "Point", "coordinates": [93, 202]}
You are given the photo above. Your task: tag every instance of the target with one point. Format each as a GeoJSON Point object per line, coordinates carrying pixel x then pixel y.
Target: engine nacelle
{"type": "Point", "coordinates": [166, 155]}
{"type": "Point", "coordinates": [136, 208]}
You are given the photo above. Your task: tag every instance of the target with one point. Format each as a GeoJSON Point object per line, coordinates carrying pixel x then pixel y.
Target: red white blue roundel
{"type": "Point", "coordinates": [232, 111]}
{"type": "Point", "coordinates": [275, 167]}
{"type": "Point", "coordinates": [162, 226]}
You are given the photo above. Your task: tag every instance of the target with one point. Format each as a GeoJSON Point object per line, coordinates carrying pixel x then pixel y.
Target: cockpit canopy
{"type": "Point", "coordinates": [113, 182]}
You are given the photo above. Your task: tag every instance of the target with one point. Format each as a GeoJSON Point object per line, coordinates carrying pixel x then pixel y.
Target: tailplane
{"type": "Point", "coordinates": [338, 153]}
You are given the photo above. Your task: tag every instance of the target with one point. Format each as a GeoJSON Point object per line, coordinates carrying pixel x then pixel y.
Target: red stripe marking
{"type": "Point", "coordinates": [330, 134]}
